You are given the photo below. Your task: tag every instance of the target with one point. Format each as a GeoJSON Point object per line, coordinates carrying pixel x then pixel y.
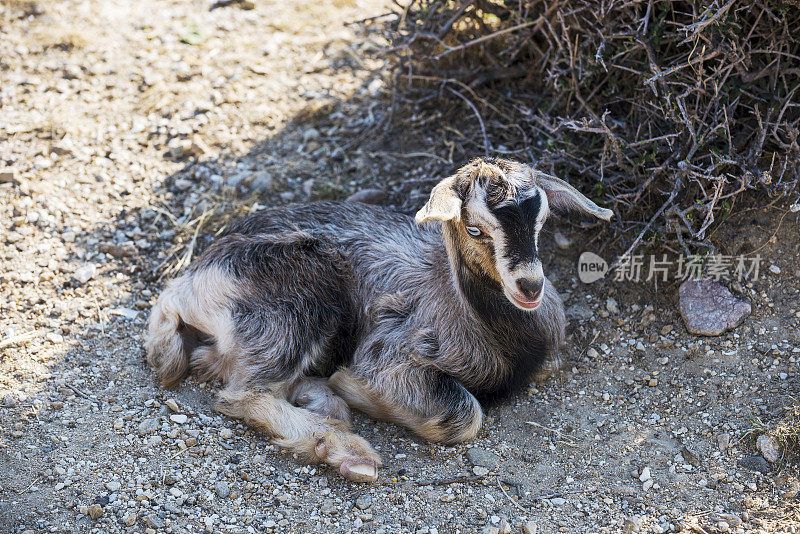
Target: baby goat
{"type": "Point", "coordinates": [308, 310]}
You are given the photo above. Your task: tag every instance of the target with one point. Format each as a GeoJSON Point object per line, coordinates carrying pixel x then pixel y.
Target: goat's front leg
{"type": "Point", "coordinates": [312, 435]}
{"type": "Point", "coordinates": [430, 403]}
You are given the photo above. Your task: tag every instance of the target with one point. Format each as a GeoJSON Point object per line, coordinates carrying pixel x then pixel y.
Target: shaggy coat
{"type": "Point", "coordinates": [308, 310]}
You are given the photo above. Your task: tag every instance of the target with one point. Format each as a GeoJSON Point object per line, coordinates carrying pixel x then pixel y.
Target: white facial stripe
{"type": "Point", "coordinates": [544, 211]}
{"type": "Point", "coordinates": [478, 209]}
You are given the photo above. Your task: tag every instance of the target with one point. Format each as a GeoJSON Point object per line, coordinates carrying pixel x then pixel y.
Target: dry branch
{"type": "Point", "coordinates": [665, 111]}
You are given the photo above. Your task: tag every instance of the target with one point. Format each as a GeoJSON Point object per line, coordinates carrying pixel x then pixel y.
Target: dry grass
{"type": "Point", "coordinates": [668, 111]}
{"type": "Point", "coordinates": [787, 430]}
{"type": "Point", "coordinates": [211, 211]}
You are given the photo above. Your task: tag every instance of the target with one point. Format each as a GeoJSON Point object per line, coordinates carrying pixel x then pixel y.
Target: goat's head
{"type": "Point", "coordinates": [494, 211]}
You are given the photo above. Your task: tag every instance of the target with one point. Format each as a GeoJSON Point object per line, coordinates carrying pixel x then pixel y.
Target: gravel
{"type": "Point", "coordinates": [120, 142]}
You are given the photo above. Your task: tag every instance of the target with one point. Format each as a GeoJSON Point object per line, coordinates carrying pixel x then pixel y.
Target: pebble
{"type": "Point", "coordinates": [113, 486]}
{"type": "Point", "coordinates": [148, 426]}
{"type": "Point", "coordinates": [612, 306]}
{"type": "Point", "coordinates": [369, 196]}
{"type": "Point", "coordinates": [85, 273]}
{"type": "Point", "coordinates": [482, 457]}
{"type": "Point", "coordinates": [364, 501]}
{"type": "Point", "coordinates": [226, 433]}
{"type": "Point", "coordinates": [8, 175]}
{"type": "Point", "coordinates": [529, 527]}
{"type": "Point", "coordinates": [125, 249]}
{"type": "Point", "coordinates": [709, 308]}
{"type": "Point", "coordinates": [631, 524]}
{"type": "Point", "coordinates": [130, 519]}
{"type": "Point", "coordinates": [178, 418]}
{"type": "Point", "coordinates": [768, 446]}
{"type": "Point", "coordinates": [153, 521]}
{"type": "Point", "coordinates": [774, 269]}
{"type": "Point", "coordinates": [756, 463]}
{"type": "Point", "coordinates": [645, 476]}
{"type": "Point", "coordinates": [480, 471]}
{"type": "Point", "coordinates": [222, 489]}
{"type": "Point", "coordinates": [95, 511]}
{"type": "Point", "coordinates": [172, 405]}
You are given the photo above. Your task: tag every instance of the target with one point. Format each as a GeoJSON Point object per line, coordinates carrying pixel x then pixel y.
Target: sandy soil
{"type": "Point", "coordinates": [130, 131]}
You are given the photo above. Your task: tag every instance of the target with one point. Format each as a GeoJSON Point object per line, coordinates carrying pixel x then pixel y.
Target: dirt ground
{"type": "Point", "coordinates": [130, 131]}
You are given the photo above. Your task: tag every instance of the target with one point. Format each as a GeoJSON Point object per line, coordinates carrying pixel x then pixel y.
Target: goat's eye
{"type": "Point", "coordinates": [474, 231]}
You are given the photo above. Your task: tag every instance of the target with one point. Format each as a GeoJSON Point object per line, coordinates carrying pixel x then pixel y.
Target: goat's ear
{"type": "Point", "coordinates": [443, 205]}
{"type": "Point", "coordinates": [561, 195]}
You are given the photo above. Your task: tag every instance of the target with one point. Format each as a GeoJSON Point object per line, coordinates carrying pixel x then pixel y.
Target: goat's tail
{"type": "Point", "coordinates": [164, 342]}
{"type": "Point", "coordinates": [191, 326]}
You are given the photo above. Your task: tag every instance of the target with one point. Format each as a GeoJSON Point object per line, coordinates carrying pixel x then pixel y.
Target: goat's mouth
{"type": "Point", "coordinates": [524, 303]}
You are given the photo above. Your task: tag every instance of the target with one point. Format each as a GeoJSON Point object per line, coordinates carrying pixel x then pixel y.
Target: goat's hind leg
{"type": "Point", "coordinates": [314, 394]}
{"type": "Point", "coordinates": [429, 403]}
{"type": "Point", "coordinates": [314, 436]}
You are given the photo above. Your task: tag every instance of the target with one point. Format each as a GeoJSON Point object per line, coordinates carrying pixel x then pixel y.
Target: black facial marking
{"type": "Point", "coordinates": [525, 355]}
{"type": "Point", "coordinates": [518, 222]}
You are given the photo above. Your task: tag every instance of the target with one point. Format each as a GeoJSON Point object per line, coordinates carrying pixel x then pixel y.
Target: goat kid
{"type": "Point", "coordinates": [306, 311]}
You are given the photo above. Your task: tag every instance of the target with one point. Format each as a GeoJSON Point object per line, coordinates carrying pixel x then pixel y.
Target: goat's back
{"type": "Point", "coordinates": [388, 251]}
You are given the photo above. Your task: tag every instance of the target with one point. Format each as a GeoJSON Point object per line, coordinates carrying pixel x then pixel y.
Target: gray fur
{"type": "Point", "coordinates": [409, 323]}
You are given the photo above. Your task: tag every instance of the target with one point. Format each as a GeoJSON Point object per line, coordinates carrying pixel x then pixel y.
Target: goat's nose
{"type": "Point", "coordinates": [531, 289]}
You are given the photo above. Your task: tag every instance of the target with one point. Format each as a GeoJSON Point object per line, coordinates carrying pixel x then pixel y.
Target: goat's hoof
{"type": "Point", "coordinates": [359, 470]}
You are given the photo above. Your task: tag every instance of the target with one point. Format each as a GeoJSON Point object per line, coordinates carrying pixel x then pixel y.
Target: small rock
{"type": "Point", "coordinates": [226, 433]}
{"type": "Point", "coordinates": [8, 175]}
{"type": "Point", "coordinates": [178, 148]}
{"type": "Point", "coordinates": [480, 471]}
{"type": "Point", "coordinates": [172, 405]}
{"type": "Point", "coordinates": [262, 181]}
{"type": "Point", "coordinates": [756, 463]}
{"type": "Point", "coordinates": [54, 338]}
{"type": "Point", "coordinates": [690, 457]}
{"type": "Point", "coordinates": [63, 148]}
{"type": "Point", "coordinates": [198, 147]}
{"type": "Point", "coordinates": [240, 178]}
{"type": "Point", "coordinates": [646, 475]}
{"type": "Point", "coordinates": [153, 521]}
{"type": "Point", "coordinates": [482, 457]}
{"type": "Point", "coordinates": [768, 447]}
{"type": "Point", "coordinates": [119, 250]}
{"type": "Point", "coordinates": [369, 196]}
{"type": "Point", "coordinates": [182, 184]}
{"type": "Point", "coordinates": [85, 273]}
{"type": "Point", "coordinates": [504, 527]}
{"type": "Point", "coordinates": [612, 306]}
{"type": "Point", "coordinates": [723, 526]}
{"type": "Point", "coordinates": [529, 527]}
{"type": "Point", "coordinates": [724, 441]}
{"type": "Point", "coordinates": [113, 486]}
{"type": "Point", "coordinates": [130, 519]}
{"type": "Point", "coordinates": [178, 418]}
{"type": "Point", "coordinates": [310, 133]}
{"type": "Point", "coordinates": [774, 269]}
{"type": "Point", "coordinates": [94, 511]}
{"type": "Point", "coordinates": [148, 426]}
{"type": "Point", "coordinates": [631, 524]}
{"type": "Point", "coordinates": [222, 489]}
{"type": "Point", "coordinates": [579, 311]}
{"type": "Point", "coordinates": [364, 501]}
{"type": "Point", "coordinates": [709, 309]}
